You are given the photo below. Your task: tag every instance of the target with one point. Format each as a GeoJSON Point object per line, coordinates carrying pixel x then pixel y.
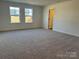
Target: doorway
{"type": "Point", "coordinates": [50, 18]}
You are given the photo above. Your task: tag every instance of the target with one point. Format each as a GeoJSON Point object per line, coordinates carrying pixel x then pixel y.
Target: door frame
{"type": "Point", "coordinates": [50, 24]}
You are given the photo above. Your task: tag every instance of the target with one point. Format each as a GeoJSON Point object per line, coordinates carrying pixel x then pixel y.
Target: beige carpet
{"type": "Point", "coordinates": [38, 44]}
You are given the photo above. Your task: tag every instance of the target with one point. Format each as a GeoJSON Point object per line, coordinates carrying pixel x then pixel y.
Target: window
{"type": "Point", "coordinates": [15, 14]}
{"type": "Point", "coordinates": [28, 15]}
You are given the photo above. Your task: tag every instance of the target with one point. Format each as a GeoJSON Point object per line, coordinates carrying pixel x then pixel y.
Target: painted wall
{"type": "Point", "coordinates": [66, 17]}
{"type": "Point", "coordinates": [5, 16]}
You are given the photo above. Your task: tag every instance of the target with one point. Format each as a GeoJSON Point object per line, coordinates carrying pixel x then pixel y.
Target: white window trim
{"type": "Point", "coordinates": [18, 15]}
{"type": "Point", "coordinates": [27, 15]}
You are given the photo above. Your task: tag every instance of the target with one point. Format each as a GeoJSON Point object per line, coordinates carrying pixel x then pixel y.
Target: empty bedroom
{"type": "Point", "coordinates": [39, 29]}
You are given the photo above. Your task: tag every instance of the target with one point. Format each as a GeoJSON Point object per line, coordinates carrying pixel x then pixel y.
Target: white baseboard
{"type": "Point", "coordinates": [67, 33]}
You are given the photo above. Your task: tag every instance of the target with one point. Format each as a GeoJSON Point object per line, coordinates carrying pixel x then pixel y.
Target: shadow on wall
{"type": "Point", "coordinates": [58, 1]}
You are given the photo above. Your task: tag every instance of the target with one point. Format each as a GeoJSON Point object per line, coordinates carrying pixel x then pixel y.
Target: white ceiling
{"type": "Point", "coordinates": [36, 2]}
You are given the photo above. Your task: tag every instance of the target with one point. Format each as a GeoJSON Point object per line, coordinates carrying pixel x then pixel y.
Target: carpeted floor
{"type": "Point", "coordinates": [38, 44]}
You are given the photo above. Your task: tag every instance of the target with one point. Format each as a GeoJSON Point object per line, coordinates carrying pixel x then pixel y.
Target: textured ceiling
{"type": "Point", "coordinates": [36, 2]}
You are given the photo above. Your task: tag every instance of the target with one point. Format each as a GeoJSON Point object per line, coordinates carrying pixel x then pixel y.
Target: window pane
{"type": "Point", "coordinates": [15, 19]}
{"type": "Point", "coordinates": [28, 19]}
{"type": "Point", "coordinates": [28, 12]}
{"type": "Point", "coordinates": [15, 13]}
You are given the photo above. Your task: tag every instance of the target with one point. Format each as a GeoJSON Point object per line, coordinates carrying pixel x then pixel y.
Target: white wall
{"type": "Point", "coordinates": [5, 17]}
{"type": "Point", "coordinates": [66, 17]}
